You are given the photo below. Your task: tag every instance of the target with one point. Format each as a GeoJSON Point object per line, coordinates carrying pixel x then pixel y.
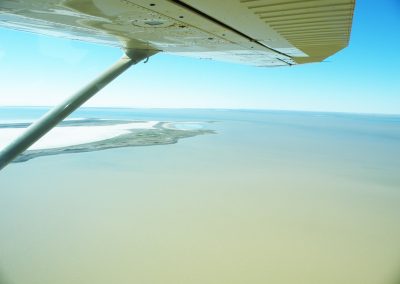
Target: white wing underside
{"type": "Point", "coordinates": [255, 32]}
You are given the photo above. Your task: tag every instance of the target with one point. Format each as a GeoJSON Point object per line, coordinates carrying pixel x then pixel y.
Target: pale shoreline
{"type": "Point", "coordinates": [74, 135]}
{"type": "Point", "coordinates": [87, 135]}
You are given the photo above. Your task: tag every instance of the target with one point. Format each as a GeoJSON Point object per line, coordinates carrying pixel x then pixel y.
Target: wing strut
{"type": "Point", "coordinates": [39, 128]}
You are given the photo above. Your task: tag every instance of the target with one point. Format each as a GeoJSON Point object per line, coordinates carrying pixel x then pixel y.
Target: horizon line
{"type": "Point", "coordinates": [213, 108]}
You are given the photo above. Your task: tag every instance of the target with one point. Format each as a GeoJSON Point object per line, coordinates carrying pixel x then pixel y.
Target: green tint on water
{"type": "Point", "coordinates": [273, 197]}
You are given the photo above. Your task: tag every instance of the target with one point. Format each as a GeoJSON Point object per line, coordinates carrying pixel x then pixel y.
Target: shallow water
{"type": "Point", "coordinates": [273, 197]}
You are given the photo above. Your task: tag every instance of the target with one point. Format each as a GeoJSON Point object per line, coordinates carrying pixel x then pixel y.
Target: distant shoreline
{"type": "Point", "coordinates": [101, 134]}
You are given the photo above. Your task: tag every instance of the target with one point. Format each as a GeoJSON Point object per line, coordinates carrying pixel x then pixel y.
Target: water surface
{"type": "Point", "coordinates": [273, 197]}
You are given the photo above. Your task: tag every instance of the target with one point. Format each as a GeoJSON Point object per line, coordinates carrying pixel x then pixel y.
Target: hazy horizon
{"type": "Point", "coordinates": [210, 108]}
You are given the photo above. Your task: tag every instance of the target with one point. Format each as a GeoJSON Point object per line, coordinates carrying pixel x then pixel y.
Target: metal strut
{"type": "Point", "coordinates": [39, 128]}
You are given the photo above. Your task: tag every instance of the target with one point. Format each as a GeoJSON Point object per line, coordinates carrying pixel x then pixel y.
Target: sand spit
{"type": "Point", "coordinates": [93, 135]}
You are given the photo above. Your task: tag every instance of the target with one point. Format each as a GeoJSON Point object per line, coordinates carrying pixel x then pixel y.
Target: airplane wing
{"type": "Point", "coordinates": [255, 32]}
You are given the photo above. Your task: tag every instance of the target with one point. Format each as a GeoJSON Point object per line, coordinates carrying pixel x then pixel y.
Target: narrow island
{"type": "Point", "coordinates": [86, 135]}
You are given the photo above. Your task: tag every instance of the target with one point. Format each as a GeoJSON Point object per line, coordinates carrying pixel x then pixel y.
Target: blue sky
{"type": "Point", "coordinates": [363, 78]}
